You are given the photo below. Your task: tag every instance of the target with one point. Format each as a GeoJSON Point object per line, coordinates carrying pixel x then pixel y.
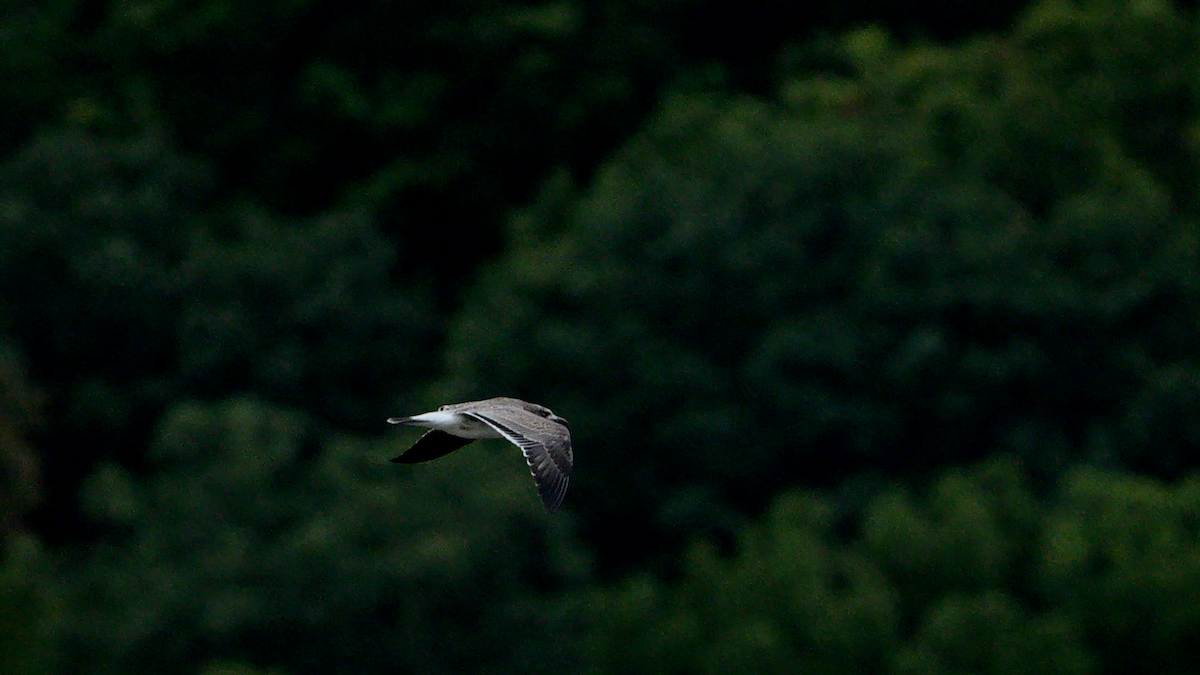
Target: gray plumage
{"type": "Point", "coordinates": [542, 437]}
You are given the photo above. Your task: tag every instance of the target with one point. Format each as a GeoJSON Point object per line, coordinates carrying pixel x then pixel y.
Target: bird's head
{"type": "Point", "coordinates": [543, 411]}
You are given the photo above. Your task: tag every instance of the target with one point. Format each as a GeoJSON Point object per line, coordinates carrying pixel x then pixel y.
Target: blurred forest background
{"type": "Point", "coordinates": [876, 324]}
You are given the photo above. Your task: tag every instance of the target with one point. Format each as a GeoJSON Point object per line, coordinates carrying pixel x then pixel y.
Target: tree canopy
{"type": "Point", "coordinates": [875, 332]}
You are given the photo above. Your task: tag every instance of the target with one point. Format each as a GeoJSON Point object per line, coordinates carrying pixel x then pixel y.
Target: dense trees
{"type": "Point", "coordinates": [262, 538]}
{"type": "Point", "coordinates": [28, 608]}
{"type": "Point", "coordinates": [437, 117]}
{"type": "Point", "coordinates": [974, 576]}
{"type": "Point", "coordinates": [878, 356]}
{"type": "Point", "coordinates": [128, 289]}
{"type": "Point", "coordinates": [905, 268]}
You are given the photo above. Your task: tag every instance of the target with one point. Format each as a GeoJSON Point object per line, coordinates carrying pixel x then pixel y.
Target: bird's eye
{"type": "Point", "coordinates": [441, 408]}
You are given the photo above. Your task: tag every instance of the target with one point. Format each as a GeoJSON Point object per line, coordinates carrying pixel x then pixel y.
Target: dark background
{"type": "Point", "coordinates": [875, 323]}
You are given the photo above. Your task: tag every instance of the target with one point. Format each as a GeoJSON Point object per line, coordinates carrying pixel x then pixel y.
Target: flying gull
{"type": "Point", "coordinates": [542, 436]}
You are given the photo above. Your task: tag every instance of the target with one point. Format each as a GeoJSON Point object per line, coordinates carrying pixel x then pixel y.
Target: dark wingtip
{"type": "Point", "coordinates": [432, 445]}
{"type": "Point", "coordinates": [410, 457]}
{"type": "Point", "coordinates": [553, 495]}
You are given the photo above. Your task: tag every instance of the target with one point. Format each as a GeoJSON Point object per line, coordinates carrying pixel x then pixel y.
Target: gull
{"type": "Point", "coordinates": [542, 436]}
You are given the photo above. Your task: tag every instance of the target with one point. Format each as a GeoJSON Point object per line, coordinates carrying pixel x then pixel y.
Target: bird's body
{"type": "Point", "coordinates": [453, 423]}
{"type": "Point", "coordinates": [542, 437]}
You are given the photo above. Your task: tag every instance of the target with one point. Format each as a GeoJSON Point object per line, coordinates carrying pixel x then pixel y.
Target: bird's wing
{"type": "Point", "coordinates": [431, 445]}
{"type": "Point", "coordinates": [545, 444]}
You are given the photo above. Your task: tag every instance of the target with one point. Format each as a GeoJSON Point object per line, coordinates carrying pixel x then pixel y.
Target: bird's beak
{"type": "Point", "coordinates": [556, 418]}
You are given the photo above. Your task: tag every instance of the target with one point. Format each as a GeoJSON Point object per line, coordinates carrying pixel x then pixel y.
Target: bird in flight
{"type": "Point", "coordinates": [542, 436]}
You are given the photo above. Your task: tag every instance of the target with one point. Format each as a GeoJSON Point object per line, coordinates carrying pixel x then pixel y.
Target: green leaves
{"type": "Point", "coordinates": [1126, 557]}
{"type": "Point", "coordinates": [974, 576]}
{"type": "Point", "coordinates": [912, 256]}
{"type": "Point", "coordinates": [254, 523]}
{"type": "Point", "coordinates": [966, 256]}
{"type": "Point", "coordinates": [129, 291]}
{"type": "Point", "coordinates": [30, 610]}
{"type": "Point", "coordinates": [990, 633]}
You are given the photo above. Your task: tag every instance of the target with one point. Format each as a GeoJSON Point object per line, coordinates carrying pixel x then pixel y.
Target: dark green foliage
{"type": "Point", "coordinates": [977, 576]}
{"type": "Point", "coordinates": [787, 602]}
{"type": "Point", "coordinates": [852, 270]}
{"type": "Point", "coordinates": [20, 412]}
{"type": "Point", "coordinates": [29, 610]}
{"type": "Point", "coordinates": [234, 668]}
{"type": "Point", "coordinates": [436, 117]}
{"type": "Point", "coordinates": [303, 315]}
{"type": "Point", "coordinates": [127, 292]}
{"type": "Point", "coordinates": [1124, 556]}
{"type": "Point", "coordinates": [431, 117]}
{"type": "Point", "coordinates": [949, 254]}
{"type": "Point", "coordinates": [262, 540]}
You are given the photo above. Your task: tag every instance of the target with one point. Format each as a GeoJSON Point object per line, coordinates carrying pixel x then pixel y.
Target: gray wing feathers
{"type": "Point", "coordinates": [545, 444]}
